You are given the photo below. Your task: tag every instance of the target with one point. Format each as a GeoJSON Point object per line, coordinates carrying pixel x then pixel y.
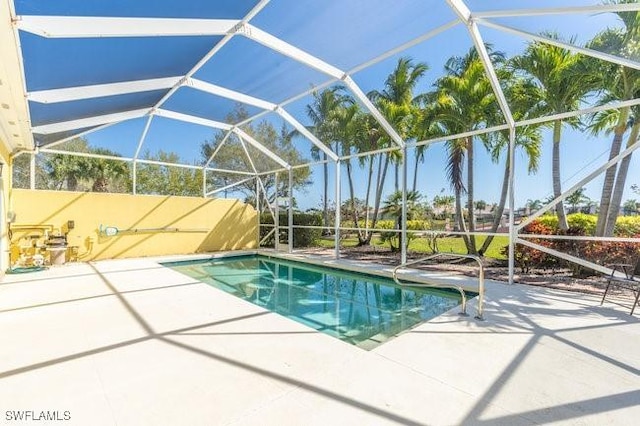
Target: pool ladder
{"type": "Point", "coordinates": [480, 308]}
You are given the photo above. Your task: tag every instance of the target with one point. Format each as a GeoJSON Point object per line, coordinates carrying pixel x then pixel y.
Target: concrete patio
{"type": "Point", "coordinates": [130, 342]}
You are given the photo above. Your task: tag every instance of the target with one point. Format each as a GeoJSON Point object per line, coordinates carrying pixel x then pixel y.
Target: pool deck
{"type": "Point", "coordinates": [130, 342]}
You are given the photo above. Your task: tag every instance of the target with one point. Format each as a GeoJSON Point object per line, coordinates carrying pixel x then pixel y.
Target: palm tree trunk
{"type": "Point", "coordinates": [497, 218]}
{"type": "Point", "coordinates": [325, 201]}
{"type": "Point", "coordinates": [610, 175]}
{"type": "Point", "coordinates": [352, 196]}
{"type": "Point", "coordinates": [397, 176]}
{"type": "Point", "coordinates": [557, 186]}
{"type": "Point", "coordinates": [382, 174]}
{"type": "Point", "coordinates": [415, 171]}
{"type": "Point", "coordinates": [621, 181]}
{"type": "Point", "coordinates": [462, 227]}
{"type": "Point", "coordinates": [362, 241]}
{"type": "Point", "coordinates": [472, 218]}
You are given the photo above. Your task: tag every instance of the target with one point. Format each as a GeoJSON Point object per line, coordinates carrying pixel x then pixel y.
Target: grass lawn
{"type": "Point", "coordinates": [419, 245]}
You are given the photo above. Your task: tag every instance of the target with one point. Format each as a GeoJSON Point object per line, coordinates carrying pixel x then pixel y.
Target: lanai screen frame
{"type": "Point", "coordinates": [66, 26]}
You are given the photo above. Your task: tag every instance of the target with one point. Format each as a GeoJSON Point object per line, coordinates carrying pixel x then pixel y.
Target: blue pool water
{"type": "Point", "coordinates": [361, 309]}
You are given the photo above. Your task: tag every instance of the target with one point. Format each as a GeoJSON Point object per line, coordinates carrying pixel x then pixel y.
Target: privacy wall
{"type": "Point", "coordinates": [107, 226]}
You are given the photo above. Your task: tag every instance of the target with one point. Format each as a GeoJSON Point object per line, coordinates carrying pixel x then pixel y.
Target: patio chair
{"type": "Point", "coordinates": [630, 280]}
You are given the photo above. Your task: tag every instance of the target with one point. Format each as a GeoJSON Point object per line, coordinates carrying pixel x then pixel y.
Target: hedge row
{"type": "Point", "coordinates": [600, 252]}
{"type": "Point", "coordinates": [626, 226]}
{"type": "Point", "coordinates": [302, 237]}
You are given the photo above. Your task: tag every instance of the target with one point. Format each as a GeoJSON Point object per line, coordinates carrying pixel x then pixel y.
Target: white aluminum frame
{"type": "Point", "coordinates": [57, 26]}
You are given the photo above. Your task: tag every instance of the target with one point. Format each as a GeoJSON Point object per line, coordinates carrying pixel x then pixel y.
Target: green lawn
{"type": "Point", "coordinates": [447, 244]}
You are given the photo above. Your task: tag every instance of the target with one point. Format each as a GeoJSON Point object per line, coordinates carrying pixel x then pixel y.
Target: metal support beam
{"type": "Point", "coordinates": [306, 133]}
{"type": "Point", "coordinates": [134, 177]}
{"type": "Point", "coordinates": [513, 232]}
{"type": "Point", "coordinates": [336, 235]}
{"type": "Point", "coordinates": [364, 100]}
{"type": "Point", "coordinates": [266, 151]}
{"type": "Point", "coordinates": [598, 8]}
{"type": "Point", "coordinates": [231, 185]}
{"type": "Point", "coordinates": [286, 49]}
{"type": "Point", "coordinates": [223, 92]}
{"type": "Point", "coordinates": [403, 229]}
{"type": "Point", "coordinates": [257, 178]}
{"type": "Point", "coordinates": [290, 224]}
{"type": "Point", "coordinates": [94, 26]}
{"type": "Point", "coordinates": [490, 70]}
{"type": "Point", "coordinates": [192, 119]}
{"type": "Point", "coordinates": [276, 220]}
{"type": "Point", "coordinates": [204, 182]}
{"type": "Point", "coordinates": [79, 135]}
{"type": "Point", "coordinates": [303, 57]}
{"type": "Point", "coordinates": [143, 136]}
{"type": "Point", "coordinates": [220, 145]}
{"type": "Point", "coordinates": [77, 93]}
{"type": "Point", "coordinates": [576, 49]}
{"type": "Point", "coordinates": [564, 256]}
{"type": "Point", "coordinates": [82, 123]}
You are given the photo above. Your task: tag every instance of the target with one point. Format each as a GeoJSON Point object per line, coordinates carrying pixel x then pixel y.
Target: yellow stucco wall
{"type": "Point", "coordinates": [203, 225]}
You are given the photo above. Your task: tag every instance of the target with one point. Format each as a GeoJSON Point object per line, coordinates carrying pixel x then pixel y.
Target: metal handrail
{"type": "Point", "coordinates": [480, 308]}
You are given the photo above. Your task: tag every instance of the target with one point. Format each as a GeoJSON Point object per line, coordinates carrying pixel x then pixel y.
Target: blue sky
{"type": "Point", "coordinates": [345, 33]}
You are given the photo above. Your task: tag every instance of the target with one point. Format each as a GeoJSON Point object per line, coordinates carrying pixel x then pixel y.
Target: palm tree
{"type": "Point", "coordinates": [443, 203]}
{"type": "Point", "coordinates": [322, 113]}
{"type": "Point", "coordinates": [631, 207]}
{"type": "Point", "coordinates": [398, 92]}
{"type": "Point", "coordinates": [69, 170]}
{"type": "Point", "coordinates": [347, 132]}
{"type": "Point", "coordinates": [393, 207]}
{"type": "Point", "coordinates": [425, 126]}
{"type": "Point", "coordinates": [533, 205]}
{"type": "Point", "coordinates": [105, 171]}
{"type": "Point", "coordinates": [563, 82]}
{"type": "Point", "coordinates": [577, 198]}
{"type": "Point", "coordinates": [465, 102]}
{"type": "Point", "coordinates": [619, 83]}
{"type": "Point", "coordinates": [522, 96]}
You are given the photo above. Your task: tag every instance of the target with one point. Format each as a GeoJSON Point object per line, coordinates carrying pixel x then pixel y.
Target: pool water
{"type": "Point", "coordinates": [360, 309]}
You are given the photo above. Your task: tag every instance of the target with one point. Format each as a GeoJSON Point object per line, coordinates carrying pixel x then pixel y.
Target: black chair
{"type": "Point", "coordinates": [628, 276]}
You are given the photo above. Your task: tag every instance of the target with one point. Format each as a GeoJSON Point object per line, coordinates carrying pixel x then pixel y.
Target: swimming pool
{"type": "Point", "coordinates": [360, 309]}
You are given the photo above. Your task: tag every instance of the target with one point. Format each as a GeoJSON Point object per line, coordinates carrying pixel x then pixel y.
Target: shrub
{"type": "Point", "coordinates": [600, 252]}
{"type": "Point", "coordinates": [302, 237]}
{"type": "Point", "coordinates": [585, 222]}
{"type": "Point", "coordinates": [393, 238]}
{"type": "Point", "coordinates": [527, 257]}
{"type": "Point", "coordinates": [626, 226]}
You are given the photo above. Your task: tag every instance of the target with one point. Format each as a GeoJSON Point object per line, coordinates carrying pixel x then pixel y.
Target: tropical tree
{"type": "Point", "coordinates": [619, 83]}
{"type": "Point", "coordinates": [533, 205]}
{"type": "Point", "coordinates": [522, 96]}
{"type": "Point", "coordinates": [166, 180]}
{"type": "Point", "coordinates": [465, 102]}
{"type": "Point", "coordinates": [631, 207]}
{"type": "Point", "coordinates": [232, 156]}
{"type": "Point", "coordinates": [108, 174]}
{"type": "Point", "coordinates": [397, 103]}
{"type": "Point", "coordinates": [67, 171]}
{"type": "Point", "coordinates": [393, 207]}
{"type": "Point", "coordinates": [577, 198]}
{"type": "Point", "coordinates": [443, 204]}
{"type": "Point", "coordinates": [323, 115]}
{"type": "Point", "coordinates": [399, 92]}
{"type": "Point", "coordinates": [77, 173]}
{"type": "Point", "coordinates": [563, 81]}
